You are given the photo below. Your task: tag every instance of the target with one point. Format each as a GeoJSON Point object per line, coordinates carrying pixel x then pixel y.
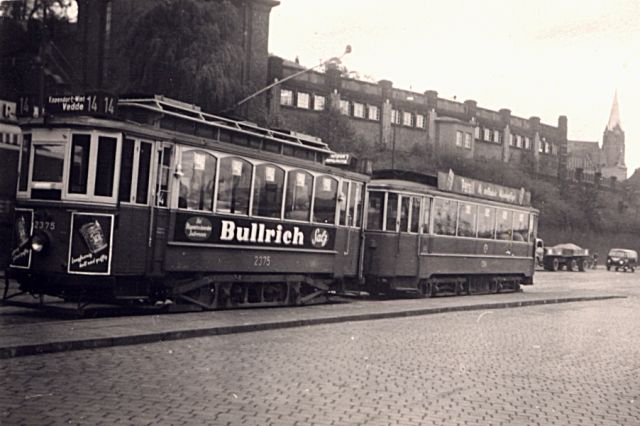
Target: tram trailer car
{"type": "Point", "coordinates": [446, 234]}
{"type": "Point", "coordinates": [163, 203]}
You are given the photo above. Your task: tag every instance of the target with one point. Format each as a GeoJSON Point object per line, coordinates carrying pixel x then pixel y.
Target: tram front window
{"type": "Point", "coordinates": [48, 163]}
{"type": "Point", "coordinates": [79, 164]}
{"type": "Point", "coordinates": [48, 166]}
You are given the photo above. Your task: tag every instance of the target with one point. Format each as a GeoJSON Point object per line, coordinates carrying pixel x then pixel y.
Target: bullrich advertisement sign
{"type": "Point", "coordinates": [193, 228]}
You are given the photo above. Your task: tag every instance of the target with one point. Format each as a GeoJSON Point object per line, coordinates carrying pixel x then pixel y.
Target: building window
{"type": "Point", "coordinates": [467, 140]}
{"type": "Point", "coordinates": [547, 147]}
{"type": "Point", "coordinates": [487, 135]}
{"type": "Point", "coordinates": [496, 136]}
{"type": "Point", "coordinates": [527, 143]}
{"type": "Point", "coordinates": [407, 119]}
{"type": "Point", "coordinates": [373, 112]}
{"type": "Point", "coordinates": [476, 132]}
{"type": "Point", "coordinates": [303, 100]}
{"type": "Point", "coordinates": [395, 116]}
{"type": "Point", "coordinates": [344, 107]}
{"type": "Point", "coordinates": [358, 110]}
{"type": "Point", "coordinates": [511, 138]}
{"type": "Point", "coordinates": [420, 123]}
{"type": "Point", "coordinates": [319, 102]}
{"type": "Point", "coordinates": [518, 141]}
{"type": "Point", "coordinates": [459, 137]}
{"type": "Point", "coordinates": [554, 149]}
{"type": "Point", "coordinates": [541, 146]}
{"type": "Point", "coordinates": [286, 97]}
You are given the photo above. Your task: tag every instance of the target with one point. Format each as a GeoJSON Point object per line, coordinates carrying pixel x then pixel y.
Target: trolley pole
{"type": "Point", "coordinates": [347, 50]}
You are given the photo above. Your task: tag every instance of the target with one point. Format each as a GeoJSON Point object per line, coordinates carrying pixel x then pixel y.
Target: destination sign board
{"type": "Point", "coordinates": [491, 191]}
{"type": "Point", "coordinates": [100, 104]}
{"type": "Point", "coordinates": [338, 159]}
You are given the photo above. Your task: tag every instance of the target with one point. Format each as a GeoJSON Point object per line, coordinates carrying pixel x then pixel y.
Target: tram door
{"type": "Point", "coordinates": [403, 215]}
{"type": "Point", "coordinates": [159, 223]}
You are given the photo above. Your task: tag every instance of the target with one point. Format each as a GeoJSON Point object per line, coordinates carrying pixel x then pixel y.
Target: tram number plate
{"type": "Point", "coordinates": [261, 260]}
{"type": "Point", "coordinates": [44, 225]}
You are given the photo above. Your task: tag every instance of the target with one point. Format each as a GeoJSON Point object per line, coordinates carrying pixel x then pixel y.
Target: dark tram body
{"type": "Point", "coordinates": [448, 234]}
{"type": "Point", "coordinates": [168, 204]}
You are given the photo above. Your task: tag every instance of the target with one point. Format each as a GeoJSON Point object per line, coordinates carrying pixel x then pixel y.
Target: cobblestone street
{"type": "Point", "coordinates": [563, 364]}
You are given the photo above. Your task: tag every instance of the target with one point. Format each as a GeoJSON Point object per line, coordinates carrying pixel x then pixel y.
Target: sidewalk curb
{"type": "Point", "coordinates": [105, 342]}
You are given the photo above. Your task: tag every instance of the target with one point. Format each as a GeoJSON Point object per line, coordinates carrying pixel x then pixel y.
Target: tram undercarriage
{"type": "Point", "coordinates": [201, 292]}
{"type": "Point", "coordinates": [448, 285]}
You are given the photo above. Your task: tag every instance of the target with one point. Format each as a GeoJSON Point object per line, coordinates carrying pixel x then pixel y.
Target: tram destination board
{"type": "Point", "coordinates": [96, 104]}
{"type": "Point", "coordinates": [91, 104]}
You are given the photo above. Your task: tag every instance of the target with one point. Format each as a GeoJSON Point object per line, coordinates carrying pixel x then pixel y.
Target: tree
{"type": "Point", "coordinates": [29, 31]}
{"type": "Point", "coordinates": [335, 129]}
{"type": "Point", "coordinates": [187, 49]}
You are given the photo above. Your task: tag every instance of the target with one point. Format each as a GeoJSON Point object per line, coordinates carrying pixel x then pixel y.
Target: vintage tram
{"type": "Point", "coordinates": [446, 234]}
{"type": "Point", "coordinates": [161, 203]}
{"type": "Point", "coordinates": [164, 204]}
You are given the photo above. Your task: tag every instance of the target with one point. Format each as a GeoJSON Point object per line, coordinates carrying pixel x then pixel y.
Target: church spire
{"type": "Point", "coordinates": [614, 116]}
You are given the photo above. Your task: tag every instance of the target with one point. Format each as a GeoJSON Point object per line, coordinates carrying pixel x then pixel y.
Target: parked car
{"type": "Point", "coordinates": [622, 259]}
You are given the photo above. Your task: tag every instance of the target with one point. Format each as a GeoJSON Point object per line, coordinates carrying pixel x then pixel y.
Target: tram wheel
{"type": "Point", "coordinates": [427, 289]}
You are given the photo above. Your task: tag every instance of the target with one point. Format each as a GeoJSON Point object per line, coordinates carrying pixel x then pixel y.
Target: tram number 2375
{"type": "Point", "coordinates": [261, 260]}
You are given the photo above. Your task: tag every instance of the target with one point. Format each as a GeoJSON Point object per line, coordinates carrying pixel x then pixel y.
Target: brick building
{"type": "Point", "coordinates": [395, 117]}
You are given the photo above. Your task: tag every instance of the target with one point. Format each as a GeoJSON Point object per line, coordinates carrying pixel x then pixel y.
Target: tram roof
{"type": "Point", "coordinates": [192, 113]}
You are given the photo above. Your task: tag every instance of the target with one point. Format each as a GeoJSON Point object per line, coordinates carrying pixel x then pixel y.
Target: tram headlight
{"type": "Point", "coordinates": [39, 242]}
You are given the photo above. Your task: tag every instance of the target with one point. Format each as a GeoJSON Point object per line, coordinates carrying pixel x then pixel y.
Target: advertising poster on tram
{"type": "Point", "coordinates": [90, 244]}
{"type": "Point", "coordinates": [21, 249]}
{"type": "Point", "coordinates": [256, 233]}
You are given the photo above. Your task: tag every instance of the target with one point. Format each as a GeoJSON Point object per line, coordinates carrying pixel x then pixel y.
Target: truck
{"type": "Point", "coordinates": [566, 256]}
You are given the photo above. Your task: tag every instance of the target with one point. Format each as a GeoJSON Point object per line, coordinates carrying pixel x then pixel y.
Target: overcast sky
{"type": "Point", "coordinates": [542, 58]}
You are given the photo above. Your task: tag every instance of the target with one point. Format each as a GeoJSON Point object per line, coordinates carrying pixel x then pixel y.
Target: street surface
{"type": "Point", "coordinates": [563, 364]}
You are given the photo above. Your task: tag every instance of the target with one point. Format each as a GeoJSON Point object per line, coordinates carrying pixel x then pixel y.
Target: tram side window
{"type": "Point", "coordinates": [392, 212]}
{"type": "Point", "coordinates": [415, 215]}
{"type": "Point", "coordinates": [144, 170]}
{"type": "Point", "coordinates": [325, 200]}
{"type": "Point", "coordinates": [486, 222]}
{"type": "Point", "coordinates": [105, 168]}
{"type": "Point", "coordinates": [374, 210]}
{"type": "Point", "coordinates": [355, 204]}
{"type": "Point", "coordinates": [467, 220]}
{"type": "Point", "coordinates": [445, 211]}
{"type": "Point", "coordinates": [343, 203]}
{"type": "Point", "coordinates": [24, 162]}
{"type": "Point", "coordinates": [533, 227]}
{"type": "Point", "coordinates": [298, 197]}
{"type": "Point", "coordinates": [404, 213]}
{"type": "Point", "coordinates": [162, 184]}
{"type": "Point", "coordinates": [196, 183]}
{"type": "Point", "coordinates": [268, 189]}
{"type": "Point", "coordinates": [520, 226]}
{"type": "Point", "coordinates": [234, 185]}
{"type": "Point", "coordinates": [426, 215]}
{"type": "Point", "coordinates": [126, 169]}
{"type": "Point", "coordinates": [503, 224]}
